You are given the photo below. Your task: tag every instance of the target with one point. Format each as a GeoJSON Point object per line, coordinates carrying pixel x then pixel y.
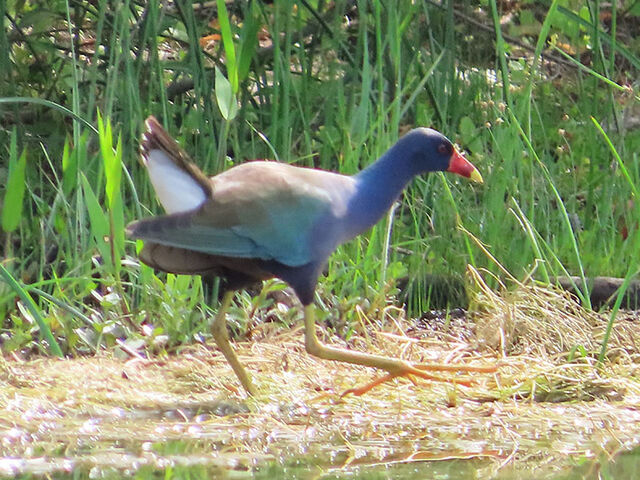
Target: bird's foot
{"type": "Point", "coordinates": [420, 370]}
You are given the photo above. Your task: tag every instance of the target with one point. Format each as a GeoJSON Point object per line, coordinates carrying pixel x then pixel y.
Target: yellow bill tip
{"type": "Point", "coordinates": [475, 176]}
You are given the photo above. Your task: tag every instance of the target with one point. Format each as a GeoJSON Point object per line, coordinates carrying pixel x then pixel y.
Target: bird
{"type": "Point", "coordinates": [266, 219]}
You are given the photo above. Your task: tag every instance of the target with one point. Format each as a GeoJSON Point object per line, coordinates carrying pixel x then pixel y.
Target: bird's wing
{"type": "Point", "coordinates": [260, 210]}
{"type": "Point", "coordinates": [187, 230]}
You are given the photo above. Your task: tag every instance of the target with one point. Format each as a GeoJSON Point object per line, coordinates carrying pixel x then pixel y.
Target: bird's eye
{"type": "Point", "coordinates": [442, 148]}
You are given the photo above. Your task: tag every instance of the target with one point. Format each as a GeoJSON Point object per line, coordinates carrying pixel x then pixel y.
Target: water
{"type": "Point", "coordinates": [103, 418]}
{"type": "Point", "coordinates": [223, 440]}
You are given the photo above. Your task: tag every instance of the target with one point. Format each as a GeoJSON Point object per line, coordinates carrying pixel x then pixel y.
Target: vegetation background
{"type": "Point", "coordinates": [543, 96]}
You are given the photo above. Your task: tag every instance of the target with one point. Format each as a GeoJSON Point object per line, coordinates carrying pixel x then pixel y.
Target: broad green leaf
{"type": "Point", "coordinates": [224, 96]}
{"type": "Point", "coordinates": [14, 195]}
{"type": "Point", "coordinates": [98, 220]}
{"type": "Point", "coordinates": [111, 159]}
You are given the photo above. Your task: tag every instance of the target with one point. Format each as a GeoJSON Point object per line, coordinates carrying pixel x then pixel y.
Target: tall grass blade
{"type": "Point", "coordinates": [501, 53]}
{"type": "Point", "coordinates": [532, 235]}
{"type": "Point", "coordinates": [229, 47]}
{"type": "Point", "coordinates": [592, 72]}
{"type": "Point", "coordinates": [50, 104]}
{"type": "Point", "coordinates": [248, 40]}
{"type": "Point", "coordinates": [14, 193]}
{"type": "Point", "coordinates": [542, 40]}
{"type": "Point", "coordinates": [584, 295]}
{"type": "Point", "coordinates": [75, 94]}
{"type": "Point", "coordinates": [45, 331]}
{"type": "Point", "coordinates": [603, 37]}
{"type": "Point", "coordinates": [633, 266]}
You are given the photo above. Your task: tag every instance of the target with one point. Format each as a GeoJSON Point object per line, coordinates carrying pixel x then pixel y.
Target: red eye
{"type": "Point", "coordinates": [442, 148]}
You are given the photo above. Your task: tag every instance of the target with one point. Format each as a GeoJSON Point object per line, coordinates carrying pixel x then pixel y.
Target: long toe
{"type": "Point", "coordinates": [455, 367]}
{"type": "Point", "coordinates": [420, 370]}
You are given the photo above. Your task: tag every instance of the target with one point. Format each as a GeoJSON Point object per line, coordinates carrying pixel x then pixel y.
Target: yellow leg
{"type": "Point", "coordinates": [395, 367]}
{"type": "Point", "coordinates": [221, 336]}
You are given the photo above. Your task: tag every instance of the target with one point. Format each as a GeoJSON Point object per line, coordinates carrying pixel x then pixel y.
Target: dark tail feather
{"type": "Point", "coordinates": [178, 260]}
{"type": "Point", "coordinates": [237, 272]}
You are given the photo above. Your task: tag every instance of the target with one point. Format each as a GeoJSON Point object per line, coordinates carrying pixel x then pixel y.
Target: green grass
{"type": "Point", "coordinates": [312, 84]}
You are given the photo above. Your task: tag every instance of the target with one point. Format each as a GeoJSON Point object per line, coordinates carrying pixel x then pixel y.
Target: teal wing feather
{"type": "Point", "coordinates": [181, 230]}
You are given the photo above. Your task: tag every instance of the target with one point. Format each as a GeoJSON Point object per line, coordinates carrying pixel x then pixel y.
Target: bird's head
{"type": "Point", "coordinates": [431, 151]}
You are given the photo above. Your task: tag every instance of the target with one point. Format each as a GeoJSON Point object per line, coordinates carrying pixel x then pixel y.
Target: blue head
{"type": "Point", "coordinates": [420, 151]}
{"type": "Point", "coordinates": [427, 150]}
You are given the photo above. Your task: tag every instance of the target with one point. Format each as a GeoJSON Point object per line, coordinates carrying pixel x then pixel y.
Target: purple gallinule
{"type": "Point", "coordinates": [263, 219]}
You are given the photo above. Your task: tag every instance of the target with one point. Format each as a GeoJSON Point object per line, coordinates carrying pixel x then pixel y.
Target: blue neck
{"type": "Point", "coordinates": [378, 186]}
